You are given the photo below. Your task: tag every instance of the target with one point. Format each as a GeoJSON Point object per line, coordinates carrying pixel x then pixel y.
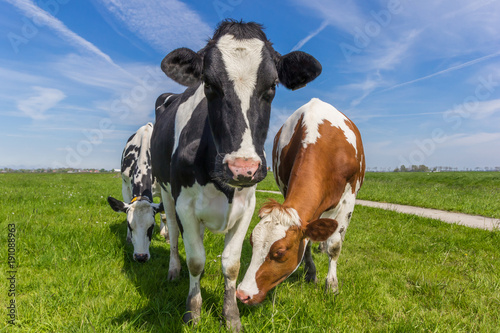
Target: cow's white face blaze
{"type": "Point", "coordinates": [278, 246]}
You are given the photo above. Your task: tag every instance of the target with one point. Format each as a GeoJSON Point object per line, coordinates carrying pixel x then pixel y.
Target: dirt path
{"type": "Point", "coordinates": [473, 221]}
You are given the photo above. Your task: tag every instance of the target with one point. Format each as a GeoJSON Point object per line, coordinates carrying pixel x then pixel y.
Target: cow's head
{"type": "Point", "coordinates": [239, 71]}
{"type": "Point", "coordinates": [278, 244]}
{"type": "Point", "coordinates": [140, 222]}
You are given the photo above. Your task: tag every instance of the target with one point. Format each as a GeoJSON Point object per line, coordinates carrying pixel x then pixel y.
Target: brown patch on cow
{"type": "Point", "coordinates": [318, 174]}
{"type": "Point", "coordinates": [320, 230]}
{"type": "Point", "coordinates": [287, 155]}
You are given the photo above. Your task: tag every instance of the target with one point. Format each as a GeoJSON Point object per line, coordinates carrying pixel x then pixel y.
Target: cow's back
{"type": "Point", "coordinates": [318, 151]}
{"type": "Point", "coordinates": [136, 150]}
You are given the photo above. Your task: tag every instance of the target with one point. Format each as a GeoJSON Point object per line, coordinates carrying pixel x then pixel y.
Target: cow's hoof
{"type": "Point", "coordinates": [311, 278]}
{"type": "Point", "coordinates": [234, 325]}
{"type": "Point", "coordinates": [173, 274]}
{"type": "Point", "coordinates": [332, 286]}
{"type": "Point", "coordinates": [190, 319]}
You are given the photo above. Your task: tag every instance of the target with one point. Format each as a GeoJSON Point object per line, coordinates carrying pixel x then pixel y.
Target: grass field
{"type": "Point", "coordinates": [75, 273]}
{"type": "Point", "coordinates": [475, 193]}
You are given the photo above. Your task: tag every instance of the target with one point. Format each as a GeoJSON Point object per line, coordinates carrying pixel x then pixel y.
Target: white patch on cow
{"type": "Point", "coordinates": [271, 228]}
{"type": "Point", "coordinates": [185, 112]}
{"type": "Point", "coordinates": [242, 59]}
{"type": "Point", "coordinates": [315, 112]}
{"type": "Point", "coordinates": [143, 165]}
{"type": "Point", "coordinates": [140, 216]}
{"type": "Point", "coordinates": [211, 207]}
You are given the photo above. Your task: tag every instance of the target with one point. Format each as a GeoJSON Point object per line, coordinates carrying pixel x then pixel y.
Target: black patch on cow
{"type": "Point", "coordinates": [150, 232]}
{"type": "Point", "coordinates": [129, 159]}
{"type": "Point", "coordinates": [162, 103]}
{"type": "Point", "coordinates": [131, 137]}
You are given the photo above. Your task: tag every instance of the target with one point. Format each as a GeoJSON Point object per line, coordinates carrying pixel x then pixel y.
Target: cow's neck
{"type": "Point", "coordinates": [208, 156]}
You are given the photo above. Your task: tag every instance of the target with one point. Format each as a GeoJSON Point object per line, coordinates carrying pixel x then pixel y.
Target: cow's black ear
{"type": "Point", "coordinates": [117, 205]}
{"type": "Point", "coordinates": [184, 66]}
{"type": "Point", "coordinates": [158, 208]}
{"type": "Point", "coordinates": [296, 69]}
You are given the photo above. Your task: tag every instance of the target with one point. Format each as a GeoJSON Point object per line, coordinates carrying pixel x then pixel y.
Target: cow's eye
{"type": "Point", "coordinates": [279, 254]}
{"type": "Point", "coordinates": [212, 90]}
{"type": "Point", "coordinates": [268, 95]}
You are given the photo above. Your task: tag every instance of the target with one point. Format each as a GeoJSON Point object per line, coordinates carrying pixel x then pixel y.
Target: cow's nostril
{"type": "Point", "coordinates": [242, 296]}
{"type": "Point", "coordinates": [141, 257]}
{"type": "Point", "coordinates": [243, 167]}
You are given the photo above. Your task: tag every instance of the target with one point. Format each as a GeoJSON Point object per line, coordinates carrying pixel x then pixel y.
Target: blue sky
{"type": "Point", "coordinates": [421, 79]}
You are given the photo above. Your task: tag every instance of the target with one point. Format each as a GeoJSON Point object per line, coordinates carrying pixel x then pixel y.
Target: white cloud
{"type": "Point", "coordinates": [43, 100]}
{"type": "Point", "coordinates": [471, 140]}
{"type": "Point", "coordinates": [35, 13]}
{"type": "Point", "coordinates": [164, 24]}
{"type": "Point", "coordinates": [313, 34]}
{"type": "Point", "coordinates": [343, 15]}
{"type": "Point", "coordinates": [447, 70]}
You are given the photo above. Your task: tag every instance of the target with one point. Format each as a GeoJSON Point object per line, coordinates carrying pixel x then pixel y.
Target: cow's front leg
{"type": "Point", "coordinates": [231, 265]}
{"type": "Point", "coordinates": [309, 266]}
{"type": "Point", "coordinates": [174, 266]}
{"type": "Point", "coordinates": [195, 257]}
{"type": "Point", "coordinates": [333, 248]}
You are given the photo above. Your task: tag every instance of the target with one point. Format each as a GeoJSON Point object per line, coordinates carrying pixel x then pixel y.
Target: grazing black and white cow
{"type": "Point", "coordinates": [138, 187]}
{"type": "Point", "coordinates": [208, 145]}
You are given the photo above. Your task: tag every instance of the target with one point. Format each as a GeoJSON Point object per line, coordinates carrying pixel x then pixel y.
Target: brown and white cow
{"type": "Point", "coordinates": [319, 165]}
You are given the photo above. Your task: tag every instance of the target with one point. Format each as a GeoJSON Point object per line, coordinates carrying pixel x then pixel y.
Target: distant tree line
{"type": "Point", "coordinates": [59, 170]}
{"type": "Point", "coordinates": [424, 168]}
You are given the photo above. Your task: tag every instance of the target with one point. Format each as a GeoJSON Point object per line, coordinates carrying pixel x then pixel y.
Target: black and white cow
{"type": "Point", "coordinates": [138, 187]}
{"type": "Point", "coordinates": [208, 145]}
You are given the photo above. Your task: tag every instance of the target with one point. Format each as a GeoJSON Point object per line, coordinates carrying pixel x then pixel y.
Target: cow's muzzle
{"type": "Point", "coordinates": [242, 171]}
{"type": "Point", "coordinates": [141, 257]}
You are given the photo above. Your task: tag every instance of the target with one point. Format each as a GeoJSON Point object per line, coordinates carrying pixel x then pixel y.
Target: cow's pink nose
{"type": "Point", "coordinates": [245, 167]}
{"type": "Point", "coordinates": [242, 296]}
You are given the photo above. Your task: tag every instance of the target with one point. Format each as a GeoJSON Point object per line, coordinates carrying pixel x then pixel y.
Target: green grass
{"type": "Point", "coordinates": [75, 273]}
{"type": "Point", "coordinates": [268, 184]}
{"type": "Point", "coordinates": [475, 193]}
